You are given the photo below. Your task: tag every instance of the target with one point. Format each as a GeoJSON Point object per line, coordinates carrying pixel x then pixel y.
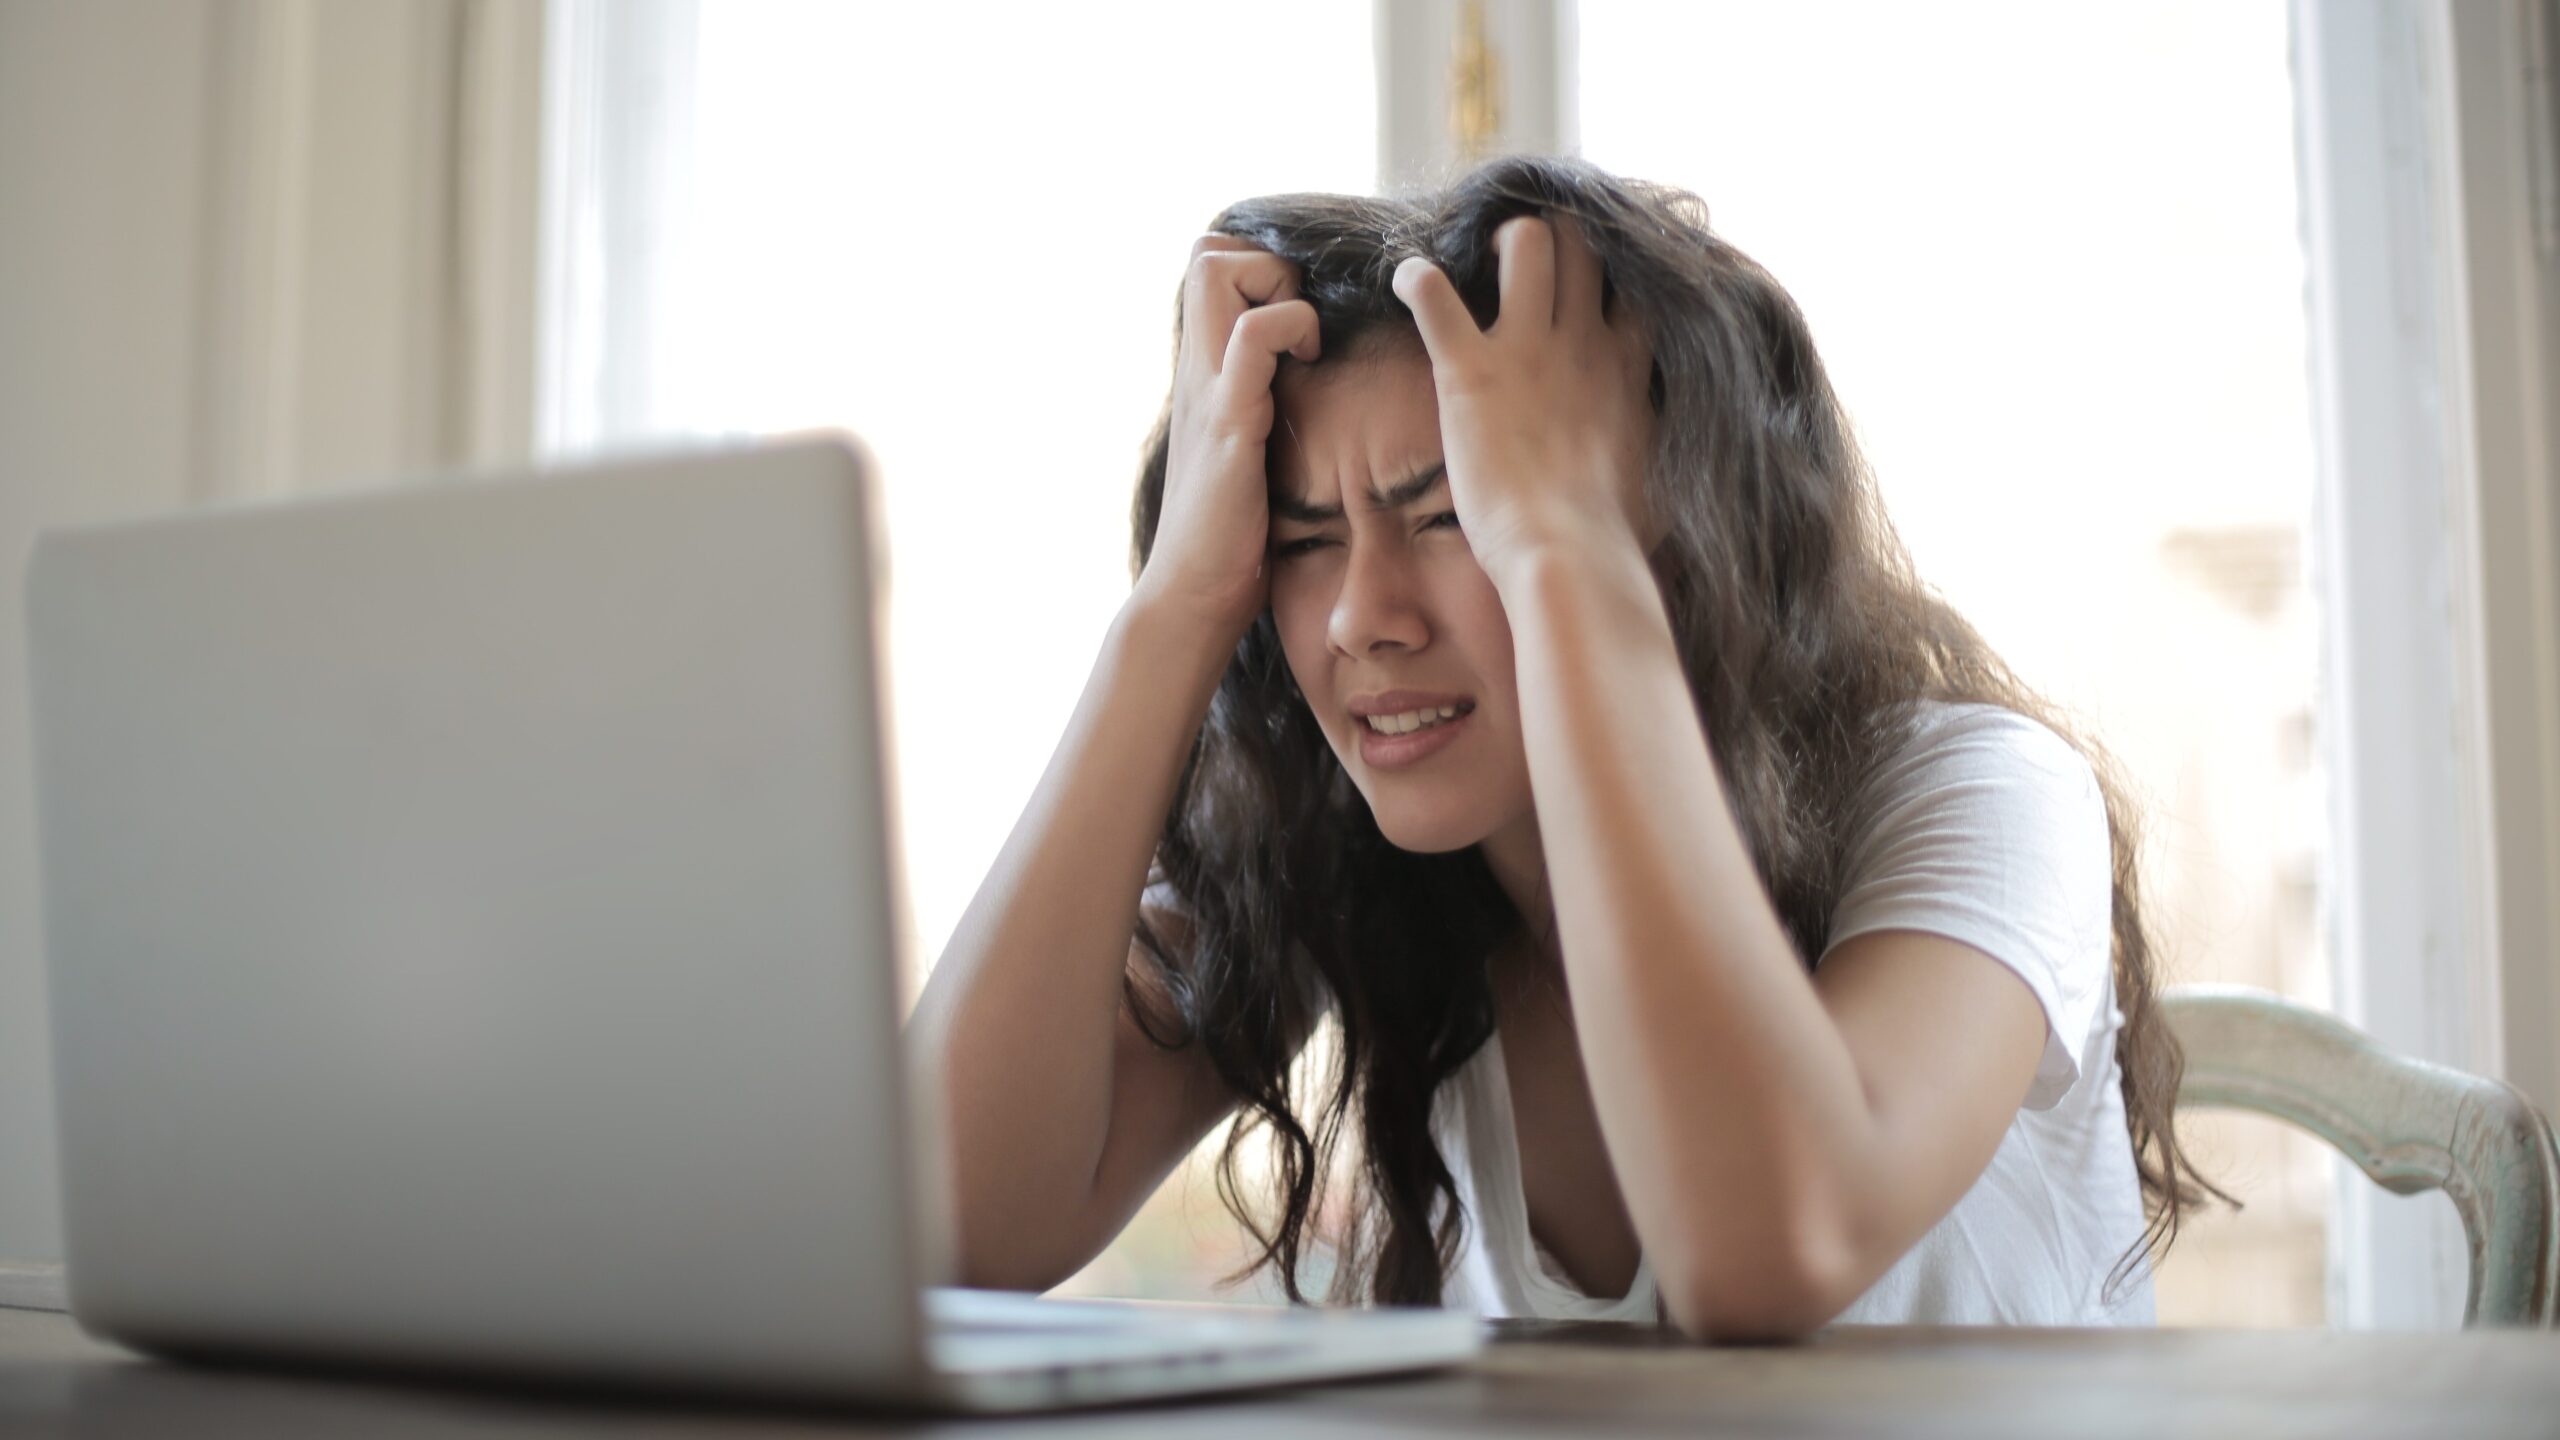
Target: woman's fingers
{"type": "Point", "coordinates": [1447, 328]}
{"type": "Point", "coordinates": [1228, 277]}
{"type": "Point", "coordinates": [1525, 249]}
{"type": "Point", "coordinates": [1635, 345]}
{"type": "Point", "coordinates": [1262, 335]}
{"type": "Point", "coordinates": [1578, 277]}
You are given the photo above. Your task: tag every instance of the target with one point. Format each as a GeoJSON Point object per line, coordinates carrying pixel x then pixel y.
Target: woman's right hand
{"type": "Point", "coordinates": [1240, 314]}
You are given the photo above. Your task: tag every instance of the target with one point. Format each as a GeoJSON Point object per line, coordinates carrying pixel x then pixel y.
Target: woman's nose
{"type": "Point", "coordinates": [1377, 607]}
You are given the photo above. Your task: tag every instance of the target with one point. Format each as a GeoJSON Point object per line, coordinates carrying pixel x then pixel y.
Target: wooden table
{"type": "Point", "coordinates": [1537, 1380]}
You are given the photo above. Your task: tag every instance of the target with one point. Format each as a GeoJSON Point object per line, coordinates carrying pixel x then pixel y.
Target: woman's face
{"type": "Point", "coordinates": [1394, 634]}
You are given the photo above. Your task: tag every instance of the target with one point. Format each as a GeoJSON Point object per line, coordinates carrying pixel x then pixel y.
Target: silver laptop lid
{"type": "Point", "coordinates": [472, 920]}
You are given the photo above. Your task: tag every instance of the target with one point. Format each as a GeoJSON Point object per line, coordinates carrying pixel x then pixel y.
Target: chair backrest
{"type": "Point", "coordinates": [2410, 1125]}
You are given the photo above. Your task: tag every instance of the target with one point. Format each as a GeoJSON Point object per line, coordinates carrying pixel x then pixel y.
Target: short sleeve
{"type": "Point", "coordinates": [1990, 828]}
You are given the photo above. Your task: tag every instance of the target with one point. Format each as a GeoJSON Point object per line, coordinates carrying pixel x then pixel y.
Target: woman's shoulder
{"type": "Point", "coordinates": [1983, 717]}
{"type": "Point", "coordinates": [1949, 739]}
{"type": "Point", "coordinates": [1978, 790]}
{"type": "Point", "coordinates": [1991, 828]}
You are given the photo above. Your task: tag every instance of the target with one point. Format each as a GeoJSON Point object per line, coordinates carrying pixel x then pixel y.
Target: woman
{"type": "Point", "coordinates": [1522, 670]}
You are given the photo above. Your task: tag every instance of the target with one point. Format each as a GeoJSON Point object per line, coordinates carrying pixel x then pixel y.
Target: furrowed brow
{"type": "Point", "coordinates": [1413, 487]}
{"type": "Point", "coordinates": [1289, 507]}
{"type": "Point", "coordinates": [1404, 492]}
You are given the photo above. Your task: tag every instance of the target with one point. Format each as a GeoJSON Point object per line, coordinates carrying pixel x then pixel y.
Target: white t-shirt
{"type": "Point", "coordinates": [1990, 829]}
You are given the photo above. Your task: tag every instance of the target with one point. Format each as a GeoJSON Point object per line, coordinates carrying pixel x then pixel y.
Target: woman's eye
{"type": "Point", "coordinates": [1447, 519]}
{"type": "Point", "coordinates": [1290, 548]}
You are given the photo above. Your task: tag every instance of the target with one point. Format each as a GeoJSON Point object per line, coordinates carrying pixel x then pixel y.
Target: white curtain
{"type": "Point", "coordinates": [253, 247]}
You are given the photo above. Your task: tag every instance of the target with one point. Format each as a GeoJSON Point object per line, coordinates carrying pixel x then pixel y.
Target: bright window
{"type": "Point", "coordinates": [960, 235]}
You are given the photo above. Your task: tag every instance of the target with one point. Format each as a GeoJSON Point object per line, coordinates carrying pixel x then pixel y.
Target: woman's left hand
{"type": "Point", "coordinates": [1546, 421]}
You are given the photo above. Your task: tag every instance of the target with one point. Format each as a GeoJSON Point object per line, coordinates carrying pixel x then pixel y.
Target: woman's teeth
{"type": "Point", "coordinates": [1411, 720]}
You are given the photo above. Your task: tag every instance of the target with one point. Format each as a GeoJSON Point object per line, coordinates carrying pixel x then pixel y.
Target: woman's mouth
{"type": "Point", "coordinates": [1407, 736]}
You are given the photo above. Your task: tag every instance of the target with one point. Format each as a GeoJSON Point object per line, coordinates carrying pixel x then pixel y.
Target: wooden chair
{"type": "Point", "coordinates": [2410, 1125]}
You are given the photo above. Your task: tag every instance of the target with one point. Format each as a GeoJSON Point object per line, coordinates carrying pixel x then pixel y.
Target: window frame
{"type": "Point", "coordinates": [2433, 569]}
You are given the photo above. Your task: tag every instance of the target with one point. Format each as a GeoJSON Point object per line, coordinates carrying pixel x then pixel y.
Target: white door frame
{"type": "Point", "coordinates": [2506, 319]}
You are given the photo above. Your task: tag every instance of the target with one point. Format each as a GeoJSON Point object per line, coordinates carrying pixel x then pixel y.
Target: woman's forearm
{"type": "Point", "coordinates": [1732, 1108]}
{"type": "Point", "coordinates": [1015, 1028]}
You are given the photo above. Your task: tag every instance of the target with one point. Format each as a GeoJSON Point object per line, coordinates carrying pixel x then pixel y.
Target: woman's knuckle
{"type": "Point", "coordinates": [1264, 323]}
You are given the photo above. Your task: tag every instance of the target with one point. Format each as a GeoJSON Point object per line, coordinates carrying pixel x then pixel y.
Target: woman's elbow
{"type": "Point", "coordinates": [1764, 1293]}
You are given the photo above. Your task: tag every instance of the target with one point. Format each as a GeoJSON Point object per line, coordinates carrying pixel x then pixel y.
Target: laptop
{"type": "Point", "coordinates": [473, 925]}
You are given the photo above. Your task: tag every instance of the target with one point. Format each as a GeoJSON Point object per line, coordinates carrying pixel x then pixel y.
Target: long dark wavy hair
{"type": "Point", "coordinates": [1805, 636]}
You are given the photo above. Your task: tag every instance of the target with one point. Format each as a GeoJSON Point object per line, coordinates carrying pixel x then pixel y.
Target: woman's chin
{"type": "Point", "coordinates": [1428, 834]}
